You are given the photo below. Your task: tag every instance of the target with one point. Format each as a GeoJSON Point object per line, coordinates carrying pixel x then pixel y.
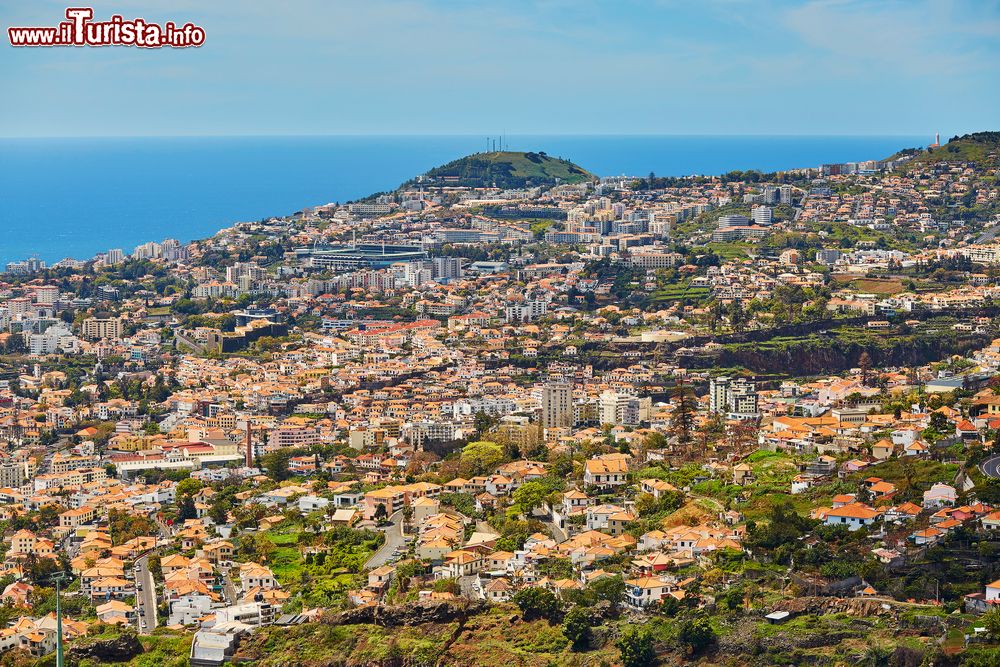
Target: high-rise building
{"type": "Point", "coordinates": [786, 194]}
{"type": "Point", "coordinates": [734, 398]}
{"type": "Point", "coordinates": [95, 328]}
{"type": "Point", "coordinates": [615, 408]}
{"type": "Point", "coordinates": [114, 257]}
{"type": "Point", "coordinates": [447, 268]}
{"type": "Point", "coordinates": [762, 215]}
{"type": "Point", "coordinates": [557, 405]}
{"type": "Point", "coordinates": [46, 294]}
{"type": "Point", "coordinates": [733, 220]}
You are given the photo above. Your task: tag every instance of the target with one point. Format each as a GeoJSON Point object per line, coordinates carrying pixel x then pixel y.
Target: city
{"type": "Point", "coordinates": [514, 411]}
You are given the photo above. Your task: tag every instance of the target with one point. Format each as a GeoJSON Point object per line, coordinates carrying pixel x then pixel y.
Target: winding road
{"type": "Point", "coordinates": [991, 467]}
{"type": "Point", "coordinates": [393, 539]}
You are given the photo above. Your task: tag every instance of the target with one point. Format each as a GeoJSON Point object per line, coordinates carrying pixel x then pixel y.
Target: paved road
{"type": "Point", "coordinates": [991, 467]}
{"type": "Point", "coordinates": [988, 235]}
{"type": "Point", "coordinates": [145, 599]}
{"type": "Point", "coordinates": [229, 588]}
{"type": "Point", "coordinates": [393, 539]}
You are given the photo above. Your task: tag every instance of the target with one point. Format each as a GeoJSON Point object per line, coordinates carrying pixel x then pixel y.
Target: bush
{"type": "Point", "coordinates": [695, 634]}
{"type": "Point", "coordinates": [576, 627]}
{"type": "Point", "coordinates": [537, 603]}
{"type": "Point", "coordinates": [636, 645]}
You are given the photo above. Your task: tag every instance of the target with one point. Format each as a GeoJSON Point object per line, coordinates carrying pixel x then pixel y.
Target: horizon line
{"type": "Point", "coordinates": [477, 136]}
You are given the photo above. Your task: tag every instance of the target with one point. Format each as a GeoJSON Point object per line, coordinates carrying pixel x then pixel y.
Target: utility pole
{"type": "Point", "coordinates": [58, 578]}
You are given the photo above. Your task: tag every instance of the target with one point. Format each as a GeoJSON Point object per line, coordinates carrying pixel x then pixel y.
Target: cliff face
{"type": "Point", "coordinates": [409, 615]}
{"type": "Point", "coordinates": [119, 649]}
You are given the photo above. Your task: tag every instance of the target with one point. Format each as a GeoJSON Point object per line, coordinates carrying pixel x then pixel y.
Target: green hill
{"type": "Point", "coordinates": [982, 148]}
{"type": "Point", "coordinates": [506, 169]}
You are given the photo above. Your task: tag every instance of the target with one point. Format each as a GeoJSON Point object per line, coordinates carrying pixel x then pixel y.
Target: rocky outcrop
{"type": "Point", "coordinates": [416, 613]}
{"type": "Point", "coordinates": [860, 607]}
{"type": "Point", "coordinates": [120, 649]}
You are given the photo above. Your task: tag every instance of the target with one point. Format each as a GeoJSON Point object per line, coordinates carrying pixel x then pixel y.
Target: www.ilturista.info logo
{"type": "Point", "coordinates": [80, 30]}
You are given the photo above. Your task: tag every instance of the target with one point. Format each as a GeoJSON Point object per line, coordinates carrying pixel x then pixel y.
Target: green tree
{"type": "Point", "coordinates": [694, 634]}
{"type": "Point", "coordinates": [530, 495]}
{"type": "Point", "coordinates": [186, 508]}
{"type": "Point", "coordinates": [276, 464]}
{"type": "Point", "coordinates": [537, 603]}
{"type": "Point", "coordinates": [636, 646]}
{"type": "Point", "coordinates": [481, 457]}
{"type": "Point", "coordinates": [611, 589]}
{"type": "Point", "coordinates": [576, 627]}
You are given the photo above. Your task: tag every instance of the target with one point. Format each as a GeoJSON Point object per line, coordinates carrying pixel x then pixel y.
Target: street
{"type": "Point", "coordinates": [393, 539]}
{"type": "Point", "coordinates": [145, 599]}
{"type": "Point", "coordinates": [991, 467]}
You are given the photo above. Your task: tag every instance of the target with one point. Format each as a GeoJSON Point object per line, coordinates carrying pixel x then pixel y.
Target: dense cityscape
{"type": "Point", "coordinates": [517, 413]}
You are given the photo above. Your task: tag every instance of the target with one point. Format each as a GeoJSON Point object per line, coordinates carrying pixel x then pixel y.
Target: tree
{"type": "Point", "coordinates": [484, 422]}
{"type": "Point", "coordinates": [256, 547]}
{"type": "Point", "coordinates": [381, 514]}
{"type": "Point", "coordinates": [695, 634]}
{"type": "Point", "coordinates": [480, 457]}
{"type": "Point", "coordinates": [636, 646]}
{"type": "Point", "coordinates": [276, 464]}
{"type": "Point", "coordinates": [991, 621]}
{"type": "Point", "coordinates": [537, 603]}
{"type": "Point", "coordinates": [188, 487]}
{"type": "Point", "coordinates": [576, 627]}
{"type": "Point", "coordinates": [186, 509]}
{"type": "Point", "coordinates": [219, 512]}
{"type": "Point", "coordinates": [530, 495]}
{"type": "Point", "coordinates": [939, 422]}
{"type": "Point", "coordinates": [682, 418]}
{"type": "Point", "coordinates": [611, 589]}
{"type": "Point", "coordinates": [865, 364]}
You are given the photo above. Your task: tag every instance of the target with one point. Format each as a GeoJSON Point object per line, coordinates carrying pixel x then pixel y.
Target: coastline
{"type": "Point", "coordinates": [94, 195]}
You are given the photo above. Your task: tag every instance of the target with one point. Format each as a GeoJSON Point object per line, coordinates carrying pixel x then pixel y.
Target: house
{"type": "Point", "coordinates": [966, 430]}
{"type": "Point", "coordinates": [605, 473]}
{"type": "Point", "coordinates": [883, 449]}
{"type": "Point", "coordinates": [253, 575]}
{"type": "Point", "coordinates": [380, 577]}
{"type": "Point", "coordinates": [991, 521]}
{"type": "Point", "coordinates": [903, 512]}
{"type": "Point", "coordinates": [939, 495]}
{"type": "Point", "coordinates": [116, 612]}
{"type": "Point", "coordinates": [993, 592]}
{"type": "Point", "coordinates": [656, 487]}
{"type": "Point", "coordinates": [111, 588]}
{"type": "Point", "coordinates": [742, 474]}
{"type": "Point", "coordinates": [498, 590]}
{"type": "Point", "coordinates": [853, 515]}
{"type": "Point", "coordinates": [645, 591]}
{"type": "Point", "coordinates": [460, 563]}
{"type": "Point", "coordinates": [926, 536]}
{"type": "Point", "coordinates": [218, 552]}
{"type": "Point", "coordinates": [17, 594]}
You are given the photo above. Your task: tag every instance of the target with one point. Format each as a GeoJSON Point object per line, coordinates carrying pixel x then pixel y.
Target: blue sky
{"type": "Point", "coordinates": [550, 66]}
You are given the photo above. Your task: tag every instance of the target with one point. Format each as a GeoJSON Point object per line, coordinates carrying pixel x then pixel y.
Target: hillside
{"type": "Point", "coordinates": [506, 169]}
{"type": "Point", "coordinates": [982, 148]}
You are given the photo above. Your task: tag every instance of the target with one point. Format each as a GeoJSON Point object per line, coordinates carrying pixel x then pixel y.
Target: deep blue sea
{"type": "Point", "coordinates": [77, 197]}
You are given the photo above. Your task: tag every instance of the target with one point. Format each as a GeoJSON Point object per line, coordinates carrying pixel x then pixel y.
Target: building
{"type": "Point", "coordinates": [97, 328]}
{"type": "Point", "coordinates": [734, 398]}
{"type": "Point", "coordinates": [557, 406]}
{"type": "Point", "coordinates": [615, 408]}
{"type": "Point", "coordinates": [526, 311]}
{"type": "Point", "coordinates": [762, 215]}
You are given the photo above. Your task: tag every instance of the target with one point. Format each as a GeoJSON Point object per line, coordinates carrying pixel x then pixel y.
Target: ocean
{"type": "Point", "coordinates": [77, 197]}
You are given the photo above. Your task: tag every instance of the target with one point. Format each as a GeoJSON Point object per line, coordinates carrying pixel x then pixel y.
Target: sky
{"type": "Point", "coordinates": [307, 67]}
